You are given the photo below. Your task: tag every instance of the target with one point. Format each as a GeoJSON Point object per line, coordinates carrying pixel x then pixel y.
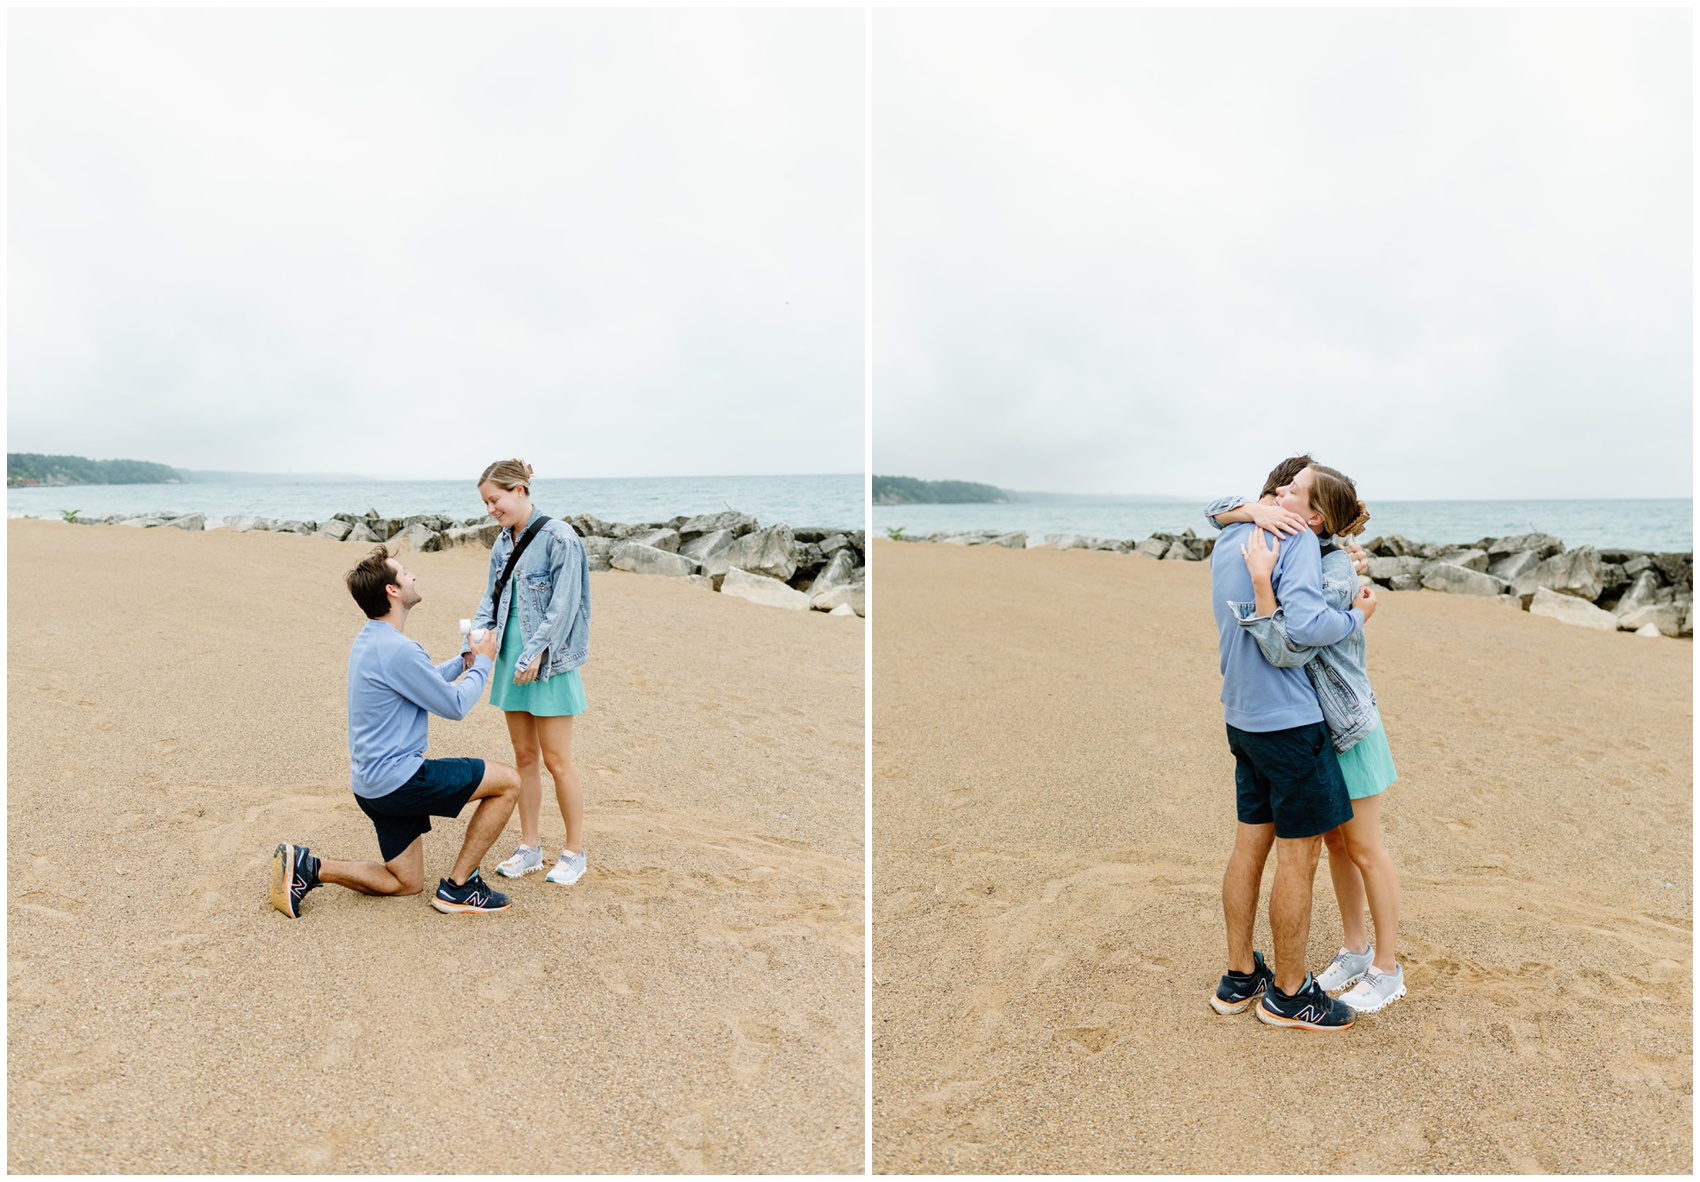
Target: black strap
{"type": "Point", "coordinates": [537, 520]}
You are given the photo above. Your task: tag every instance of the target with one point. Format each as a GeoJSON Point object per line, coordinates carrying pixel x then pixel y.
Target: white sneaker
{"type": "Point", "coordinates": [525, 859]}
{"type": "Point", "coordinates": [568, 869]}
{"type": "Point", "coordinates": [1377, 990]}
{"type": "Point", "coordinates": [1345, 969]}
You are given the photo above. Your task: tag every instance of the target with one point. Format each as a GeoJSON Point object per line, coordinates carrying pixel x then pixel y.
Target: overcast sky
{"type": "Point", "coordinates": [1145, 251]}
{"type": "Point", "coordinates": [407, 242]}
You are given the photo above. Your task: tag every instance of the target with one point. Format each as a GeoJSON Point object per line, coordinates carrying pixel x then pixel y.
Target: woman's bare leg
{"type": "Point", "coordinates": [1380, 880]}
{"type": "Point", "coordinates": [555, 736]}
{"type": "Point", "coordinates": [1348, 888]}
{"type": "Point", "coordinates": [522, 729]}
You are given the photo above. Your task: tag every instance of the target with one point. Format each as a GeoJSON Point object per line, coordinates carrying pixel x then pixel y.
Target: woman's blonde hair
{"type": "Point", "coordinates": [509, 474]}
{"type": "Point", "coordinates": [1336, 498]}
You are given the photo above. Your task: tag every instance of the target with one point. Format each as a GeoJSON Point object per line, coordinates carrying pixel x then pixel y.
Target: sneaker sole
{"type": "Point", "coordinates": [550, 877]}
{"type": "Point", "coordinates": [1346, 984]}
{"type": "Point", "coordinates": [1379, 1006]}
{"type": "Point", "coordinates": [1233, 1007]}
{"type": "Point", "coordinates": [1273, 1019]}
{"type": "Point", "coordinates": [448, 908]}
{"type": "Point", "coordinates": [283, 873]}
{"type": "Point", "coordinates": [506, 873]}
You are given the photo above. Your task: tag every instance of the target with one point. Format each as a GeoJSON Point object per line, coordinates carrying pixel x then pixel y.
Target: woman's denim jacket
{"type": "Point", "coordinates": [1339, 672]}
{"type": "Point", "coordinates": [553, 585]}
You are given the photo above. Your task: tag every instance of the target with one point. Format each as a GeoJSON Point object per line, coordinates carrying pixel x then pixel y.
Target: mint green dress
{"type": "Point", "coordinates": [1368, 764]}
{"type": "Point", "coordinates": [558, 695]}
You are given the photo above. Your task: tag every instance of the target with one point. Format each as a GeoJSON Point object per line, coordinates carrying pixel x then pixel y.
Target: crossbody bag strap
{"type": "Point", "coordinates": [513, 559]}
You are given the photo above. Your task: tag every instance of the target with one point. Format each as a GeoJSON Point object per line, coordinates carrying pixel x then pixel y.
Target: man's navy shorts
{"type": "Point", "coordinates": [440, 788]}
{"type": "Point", "coordinates": [1290, 777]}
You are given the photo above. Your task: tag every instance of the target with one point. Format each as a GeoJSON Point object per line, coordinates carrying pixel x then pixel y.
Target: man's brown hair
{"type": "Point", "coordinates": [1283, 473]}
{"type": "Point", "coordinates": [1336, 498]}
{"type": "Point", "coordinates": [366, 582]}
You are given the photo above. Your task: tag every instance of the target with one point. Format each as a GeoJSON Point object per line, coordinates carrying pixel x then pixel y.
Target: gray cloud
{"type": "Point", "coordinates": [1154, 250]}
{"type": "Point", "coordinates": [403, 242]}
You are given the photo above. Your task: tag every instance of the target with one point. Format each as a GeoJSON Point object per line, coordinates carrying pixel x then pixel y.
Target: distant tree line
{"type": "Point", "coordinates": [906, 490]}
{"type": "Point", "coordinates": [30, 468]}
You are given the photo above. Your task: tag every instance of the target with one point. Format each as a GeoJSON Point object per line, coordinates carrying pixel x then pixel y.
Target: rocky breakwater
{"type": "Point", "coordinates": [1650, 594]}
{"type": "Point", "coordinates": [801, 568]}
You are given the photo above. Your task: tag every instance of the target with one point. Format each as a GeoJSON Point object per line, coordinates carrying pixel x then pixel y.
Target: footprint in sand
{"type": "Point", "coordinates": [1092, 1038]}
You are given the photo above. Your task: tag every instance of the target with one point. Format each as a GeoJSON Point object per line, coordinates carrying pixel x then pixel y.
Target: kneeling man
{"type": "Point", "coordinates": [392, 687]}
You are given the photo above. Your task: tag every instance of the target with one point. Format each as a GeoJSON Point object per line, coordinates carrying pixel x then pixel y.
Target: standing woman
{"type": "Point", "coordinates": [538, 601]}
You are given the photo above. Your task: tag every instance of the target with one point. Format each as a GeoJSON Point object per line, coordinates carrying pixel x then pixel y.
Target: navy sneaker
{"type": "Point", "coordinates": [1236, 991]}
{"type": "Point", "coordinates": [473, 896]}
{"type": "Point", "coordinates": [1308, 1009]}
{"type": "Point", "coordinates": [294, 873]}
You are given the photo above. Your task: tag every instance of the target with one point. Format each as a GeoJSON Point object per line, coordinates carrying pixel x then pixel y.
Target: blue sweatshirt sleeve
{"type": "Point", "coordinates": [412, 675]}
{"type": "Point", "coordinates": [1298, 587]}
{"type": "Point", "coordinates": [1221, 506]}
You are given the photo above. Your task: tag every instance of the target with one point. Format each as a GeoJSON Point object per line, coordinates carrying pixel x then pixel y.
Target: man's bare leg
{"type": "Point", "coordinates": [1289, 907]}
{"type": "Point", "coordinates": [403, 874]}
{"type": "Point", "coordinates": [1242, 883]}
{"type": "Point", "coordinates": [497, 794]}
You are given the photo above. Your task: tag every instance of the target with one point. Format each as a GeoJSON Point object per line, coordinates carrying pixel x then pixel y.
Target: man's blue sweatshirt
{"type": "Point", "coordinates": [392, 687]}
{"type": "Point", "coordinates": [1256, 696]}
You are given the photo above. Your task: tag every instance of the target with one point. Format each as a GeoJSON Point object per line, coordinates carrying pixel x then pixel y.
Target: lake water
{"type": "Point", "coordinates": [1656, 525]}
{"type": "Point", "coordinates": [835, 500]}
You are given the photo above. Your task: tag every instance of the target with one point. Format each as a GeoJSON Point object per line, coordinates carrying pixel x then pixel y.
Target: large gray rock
{"type": "Point", "coordinates": [840, 572]}
{"type": "Point", "coordinates": [1015, 540]}
{"type": "Point", "coordinates": [1448, 576]}
{"type": "Point", "coordinates": [435, 522]}
{"type": "Point", "coordinates": [361, 531]}
{"type": "Point", "coordinates": [482, 535]}
{"type": "Point", "coordinates": [420, 538]}
{"type": "Point", "coordinates": [1411, 582]}
{"type": "Point", "coordinates": [1577, 573]}
{"type": "Point", "coordinates": [661, 539]}
{"type": "Point", "coordinates": [1399, 546]}
{"type": "Point", "coordinates": [243, 522]}
{"type": "Point", "coordinates": [596, 551]}
{"type": "Point", "coordinates": [1179, 550]}
{"type": "Point", "coordinates": [708, 550]}
{"type": "Point", "coordinates": [735, 523]}
{"type": "Point", "coordinates": [770, 552]}
{"type": "Point", "coordinates": [1065, 541]}
{"type": "Point", "coordinates": [1543, 546]}
{"type": "Point", "coordinates": [143, 521]}
{"type": "Point", "coordinates": [856, 595]}
{"type": "Point", "coordinates": [189, 521]}
{"type": "Point", "coordinates": [1514, 566]}
{"type": "Point", "coordinates": [1643, 592]}
{"type": "Point", "coordinates": [336, 529]}
{"type": "Point", "coordinates": [1151, 548]}
{"type": "Point", "coordinates": [1569, 609]}
{"type": "Point", "coordinates": [643, 559]}
{"type": "Point", "coordinates": [588, 525]}
{"type": "Point", "coordinates": [834, 542]}
{"type": "Point", "coordinates": [1667, 617]}
{"type": "Point", "coordinates": [1383, 569]}
{"type": "Point", "coordinates": [762, 589]}
{"type": "Point", "coordinates": [1469, 559]}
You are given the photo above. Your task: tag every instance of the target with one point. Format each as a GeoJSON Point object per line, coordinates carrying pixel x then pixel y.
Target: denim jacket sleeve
{"type": "Point", "coordinates": [1222, 506]}
{"type": "Point", "coordinates": [1270, 632]}
{"type": "Point", "coordinates": [563, 597]}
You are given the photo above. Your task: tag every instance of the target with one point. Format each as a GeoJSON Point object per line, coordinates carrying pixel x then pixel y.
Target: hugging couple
{"type": "Point", "coordinates": [1310, 754]}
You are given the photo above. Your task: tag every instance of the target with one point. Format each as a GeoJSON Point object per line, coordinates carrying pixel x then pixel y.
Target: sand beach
{"type": "Point", "coordinates": [176, 707]}
{"type": "Point", "coordinates": [1053, 810]}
